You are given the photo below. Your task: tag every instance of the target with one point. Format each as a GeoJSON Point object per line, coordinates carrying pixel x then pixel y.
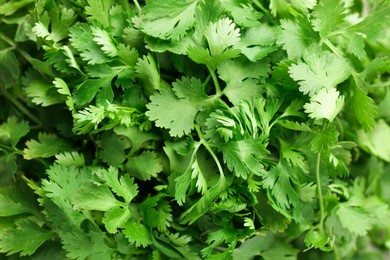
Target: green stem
{"type": "Point", "coordinates": [319, 190]}
{"type": "Point", "coordinates": [218, 91]}
{"type": "Point", "coordinates": [332, 47]}
{"type": "Point", "coordinates": [138, 6]}
{"type": "Point", "coordinates": [20, 106]}
{"type": "Point", "coordinates": [208, 148]}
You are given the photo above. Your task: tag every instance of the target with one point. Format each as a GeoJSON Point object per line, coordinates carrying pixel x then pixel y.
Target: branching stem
{"type": "Point", "coordinates": [218, 91]}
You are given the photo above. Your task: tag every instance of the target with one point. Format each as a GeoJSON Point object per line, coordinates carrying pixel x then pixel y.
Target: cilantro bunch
{"type": "Point", "coordinates": [194, 129]}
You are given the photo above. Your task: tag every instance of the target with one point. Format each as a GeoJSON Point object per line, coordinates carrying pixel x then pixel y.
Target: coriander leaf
{"type": "Point", "coordinates": [14, 202]}
{"type": "Point", "coordinates": [242, 12]}
{"type": "Point", "coordinates": [296, 36]}
{"type": "Point", "coordinates": [222, 36]}
{"type": "Point", "coordinates": [103, 38]}
{"type": "Point", "coordinates": [182, 184]}
{"type": "Point", "coordinates": [86, 245]}
{"type": "Point", "coordinates": [70, 158]}
{"type": "Point", "coordinates": [8, 8]}
{"type": "Point", "coordinates": [113, 149]}
{"type": "Point", "coordinates": [144, 166]}
{"type": "Point", "coordinates": [98, 12]}
{"type": "Point", "coordinates": [375, 140]}
{"type": "Point", "coordinates": [87, 90]}
{"type": "Point", "coordinates": [63, 89]}
{"type": "Point", "coordinates": [325, 104]}
{"type": "Point", "coordinates": [44, 94]}
{"type": "Point", "coordinates": [354, 219]}
{"type": "Point", "coordinates": [374, 25]}
{"type": "Point", "coordinates": [93, 197]}
{"type": "Point", "coordinates": [137, 234]}
{"type": "Point", "coordinates": [319, 69]}
{"type": "Point", "coordinates": [254, 47]}
{"type": "Point", "coordinates": [25, 238]}
{"type": "Point", "coordinates": [189, 100]}
{"type": "Point", "coordinates": [329, 16]}
{"type": "Point", "coordinates": [82, 39]}
{"type": "Point", "coordinates": [116, 218]}
{"type": "Point", "coordinates": [47, 145]}
{"type": "Point", "coordinates": [242, 78]}
{"type": "Point", "coordinates": [168, 19]}
{"type": "Point", "coordinates": [362, 105]}
{"type": "Point", "coordinates": [13, 130]}
{"type": "Point", "coordinates": [123, 186]}
{"type": "Point", "coordinates": [279, 185]}
{"type": "Point", "coordinates": [324, 139]}
{"type": "Point", "coordinates": [147, 71]}
{"type": "Point", "coordinates": [243, 157]}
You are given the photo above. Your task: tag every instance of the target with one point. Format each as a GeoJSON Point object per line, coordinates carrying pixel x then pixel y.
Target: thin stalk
{"type": "Point", "coordinates": [208, 148]}
{"type": "Point", "coordinates": [218, 91]}
{"type": "Point", "coordinates": [332, 47]}
{"type": "Point", "coordinates": [20, 106]}
{"type": "Point", "coordinates": [319, 190]}
{"type": "Point", "coordinates": [138, 6]}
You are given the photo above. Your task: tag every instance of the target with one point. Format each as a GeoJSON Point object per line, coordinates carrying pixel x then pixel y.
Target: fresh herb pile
{"type": "Point", "coordinates": [194, 129]}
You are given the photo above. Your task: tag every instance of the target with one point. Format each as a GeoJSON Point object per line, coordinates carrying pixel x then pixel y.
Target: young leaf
{"type": "Point", "coordinates": [47, 145]}
{"type": "Point", "coordinates": [168, 19]}
{"type": "Point", "coordinates": [325, 104]}
{"type": "Point", "coordinates": [319, 69]}
{"type": "Point", "coordinates": [137, 234]}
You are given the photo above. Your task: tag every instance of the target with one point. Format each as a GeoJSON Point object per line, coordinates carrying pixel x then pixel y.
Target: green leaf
{"type": "Point", "coordinates": [25, 238]}
{"type": "Point", "coordinates": [82, 39]}
{"type": "Point", "coordinates": [94, 197]}
{"type": "Point", "coordinates": [354, 219]}
{"type": "Point", "coordinates": [363, 106]}
{"type": "Point", "coordinates": [189, 100]}
{"type": "Point", "coordinates": [10, 7]}
{"type": "Point", "coordinates": [14, 201]}
{"type": "Point", "coordinates": [70, 158]}
{"type": "Point", "coordinates": [137, 234]}
{"type": "Point", "coordinates": [98, 12]}
{"type": "Point", "coordinates": [329, 16]}
{"type": "Point", "coordinates": [242, 12]}
{"type": "Point", "coordinates": [123, 186]}
{"type": "Point", "coordinates": [44, 94]}
{"type": "Point", "coordinates": [147, 71]}
{"type": "Point", "coordinates": [375, 141]}
{"type": "Point", "coordinates": [324, 139]}
{"type": "Point", "coordinates": [254, 47]}
{"type": "Point", "coordinates": [83, 245]}
{"type": "Point", "coordinates": [222, 38]}
{"type": "Point", "coordinates": [116, 218]}
{"type": "Point", "coordinates": [296, 36]}
{"type": "Point", "coordinates": [168, 19]}
{"type": "Point", "coordinates": [279, 185]}
{"type": "Point", "coordinates": [182, 184]}
{"type": "Point", "coordinates": [243, 157]}
{"type": "Point", "coordinates": [325, 104]}
{"type": "Point", "coordinates": [13, 130]}
{"type": "Point", "coordinates": [267, 246]}
{"type": "Point", "coordinates": [113, 149]}
{"type": "Point", "coordinates": [47, 145]}
{"type": "Point", "coordinates": [144, 166]}
{"type": "Point", "coordinates": [103, 38]}
{"type": "Point", "coordinates": [319, 69]}
{"type": "Point", "coordinates": [242, 79]}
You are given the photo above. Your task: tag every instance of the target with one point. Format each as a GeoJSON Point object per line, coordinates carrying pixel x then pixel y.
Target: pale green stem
{"type": "Point", "coordinates": [218, 91]}
{"type": "Point", "coordinates": [319, 190]}
{"type": "Point", "coordinates": [138, 6]}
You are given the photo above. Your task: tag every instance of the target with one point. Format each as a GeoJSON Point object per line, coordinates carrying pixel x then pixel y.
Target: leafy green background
{"type": "Point", "coordinates": [194, 129]}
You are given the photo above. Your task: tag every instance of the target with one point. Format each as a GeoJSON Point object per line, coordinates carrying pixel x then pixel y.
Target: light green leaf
{"type": "Point", "coordinates": [91, 196]}
{"type": "Point", "coordinates": [47, 145]}
{"type": "Point", "coordinates": [325, 104]}
{"type": "Point", "coordinates": [144, 166]}
{"type": "Point", "coordinates": [116, 218]}
{"type": "Point", "coordinates": [319, 69]}
{"type": "Point", "coordinates": [137, 234]}
{"type": "Point", "coordinates": [13, 130]}
{"type": "Point", "coordinates": [168, 19]}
